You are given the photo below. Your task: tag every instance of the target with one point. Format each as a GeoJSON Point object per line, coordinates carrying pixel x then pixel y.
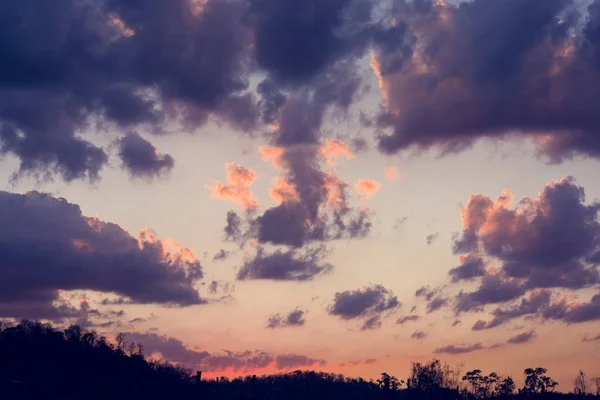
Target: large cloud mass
{"type": "Point", "coordinates": [449, 73]}
{"type": "Point", "coordinates": [545, 242]}
{"type": "Point", "coordinates": [47, 245]}
{"type": "Point", "coordinates": [486, 68]}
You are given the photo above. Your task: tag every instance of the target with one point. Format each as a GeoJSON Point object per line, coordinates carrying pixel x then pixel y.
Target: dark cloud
{"type": "Point", "coordinates": [535, 303]}
{"type": "Point", "coordinates": [472, 266]}
{"type": "Point", "coordinates": [47, 245]}
{"type": "Point", "coordinates": [431, 238]}
{"type": "Point", "coordinates": [545, 241]}
{"type": "Point", "coordinates": [486, 68]}
{"type": "Point", "coordinates": [458, 349]}
{"type": "Point", "coordinates": [370, 304]}
{"type": "Point", "coordinates": [435, 297]}
{"type": "Point", "coordinates": [319, 211]}
{"type": "Point", "coordinates": [293, 318]}
{"type": "Point", "coordinates": [289, 265]}
{"type": "Point", "coordinates": [176, 351]}
{"type": "Point", "coordinates": [171, 349]}
{"type": "Point", "coordinates": [371, 323]}
{"type": "Point", "coordinates": [225, 289]}
{"type": "Point", "coordinates": [522, 338]}
{"type": "Point", "coordinates": [141, 159]}
{"type": "Point", "coordinates": [419, 335]}
{"type": "Point", "coordinates": [572, 313]}
{"type": "Point", "coordinates": [407, 318]}
{"type": "Point", "coordinates": [294, 41]}
{"type": "Point", "coordinates": [591, 338]}
{"type": "Point", "coordinates": [221, 255]}
{"type": "Point", "coordinates": [233, 227]}
{"type": "Point", "coordinates": [115, 64]}
{"type": "Point", "coordinates": [288, 361]}
{"type": "Point", "coordinates": [494, 289]}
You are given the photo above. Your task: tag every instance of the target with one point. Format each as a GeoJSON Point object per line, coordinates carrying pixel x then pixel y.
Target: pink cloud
{"type": "Point", "coordinates": [392, 174]}
{"type": "Point", "coordinates": [237, 188]}
{"type": "Point", "coordinates": [367, 188]}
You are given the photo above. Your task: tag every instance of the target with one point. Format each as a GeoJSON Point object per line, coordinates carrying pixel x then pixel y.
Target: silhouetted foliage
{"type": "Point", "coordinates": [40, 362]}
{"type": "Point", "coordinates": [536, 381]}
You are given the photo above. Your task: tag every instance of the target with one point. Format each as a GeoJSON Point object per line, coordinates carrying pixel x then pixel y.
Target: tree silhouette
{"type": "Point", "coordinates": [506, 387]}
{"type": "Point", "coordinates": [536, 381]}
{"type": "Point", "coordinates": [40, 362]}
{"type": "Point", "coordinates": [580, 383]}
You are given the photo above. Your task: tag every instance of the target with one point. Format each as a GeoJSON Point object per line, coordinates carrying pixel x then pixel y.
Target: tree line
{"type": "Point", "coordinates": [38, 361]}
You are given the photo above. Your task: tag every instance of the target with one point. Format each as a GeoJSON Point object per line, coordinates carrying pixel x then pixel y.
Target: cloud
{"type": "Point", "coordinates": [522, 338]}
{"type": "Point", "coordinates": [293, 318]}
{"type": "Point", "coordinates": [459, 349]}
{"type": "Point", "coordinates": [335, 149]}
{"type": "Point", "coordinates": [541, 86]}
{"type": "Point", "coordinates": [47, 245]}
{"type": "Point", "coordinates": [407, 318]}
{"type": "Point", "coordinates": [434, 296]}
{"type": "Point", "coordinates": [233, 227]}
{"type": "Point", "coordinates": [288, 361]}
{"type": "Point", "coordinates": [289, 265]}
{"type": "Point", "coordinates": [176, 351]}
{"type": "Point", "coordinates": [313, 202]}
{"type": "Point", "coordinates": [367, 188]}
{"type": "Point", "coordinates": [400, 223]}
{"type": "Point", "coordinates": [221, 255]}
{"type": "Point", "coordinates": [432, 238]}
{"type": "Point", "coordinates": [537, 301]}
{"type": "Point", "coordinates": [369, 304]}
{"type": "Point", "coordinates": [545, 242]}
{"type": "Point", "coordinates": [115, 67]}
{"type": "Point", "coordinates": [471, 266]}
{"type": "Point", "coordinates": [141, 159]}
{"type": "Point", "coordinates": [419, 335]}
{"type": "Point", "coordinates": [587, 338]}
{"type": "Point", "coordinates": [237, 188]}
{"type": "Point", "coordinates": [494, 289]}
{"type": "Point", "coordinates": [391, 173]}
{"type": "Point", "coordinates": [574, 312]}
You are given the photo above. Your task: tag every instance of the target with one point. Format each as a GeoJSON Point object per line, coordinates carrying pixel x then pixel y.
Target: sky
{"type": "Point", "coordinates": [250, 187]}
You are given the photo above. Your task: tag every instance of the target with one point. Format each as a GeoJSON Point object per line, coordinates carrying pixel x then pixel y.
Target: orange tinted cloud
{"type": "Point", "coordinates": [283, 191]}
{"type": "Point", "coordinates": [237, 188]}
{"type": "Point", "coordinates": [336, 191]}
{"type": "Point", "coordinates": [335, 149]}
{"type": "Point", "coordinates": [272, 155]}
{"type": "Point", "coordinates": [391, 173]}
{"type": "Point", "coordinates": [367, 188]}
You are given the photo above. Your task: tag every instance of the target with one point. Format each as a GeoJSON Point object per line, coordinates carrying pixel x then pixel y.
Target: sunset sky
{"type": "Point", "coordinates": [258, 186]}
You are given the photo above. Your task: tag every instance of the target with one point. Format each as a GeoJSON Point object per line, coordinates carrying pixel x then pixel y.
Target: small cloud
{"type": "Point", "coordinates": [367, 188]}
{"type": "Point", "coordinates": [432, 238]}
{"type": "Point", "coordinates": [407, 318]}
{"type": "Point", "coordinates": [237, 187]}
{"type": "Point", "coordinates": [221, 255]}
{"type": "Point", "coordinates": [419, 335]}
{"type": "Point", "coordinates": [141, 159]}
{"type": "Point", "coordinates": [399, 223]}
{"type": "Point", "coordinates": [587, 338]}
{"type": "Point", "coordinates": [369, 304]}
{"type": "Point", "coordinates": [294, 318]}
{"type": "Point", "coordinates": [522, 338]}
{"type": "Point", "coordinates": [458, 349]}
{"type": "Point", "coordinates": [391, 173]}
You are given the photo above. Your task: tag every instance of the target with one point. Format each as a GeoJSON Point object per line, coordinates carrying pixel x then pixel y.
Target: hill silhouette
{"type": "Point", "coordinates": [38, 361]}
